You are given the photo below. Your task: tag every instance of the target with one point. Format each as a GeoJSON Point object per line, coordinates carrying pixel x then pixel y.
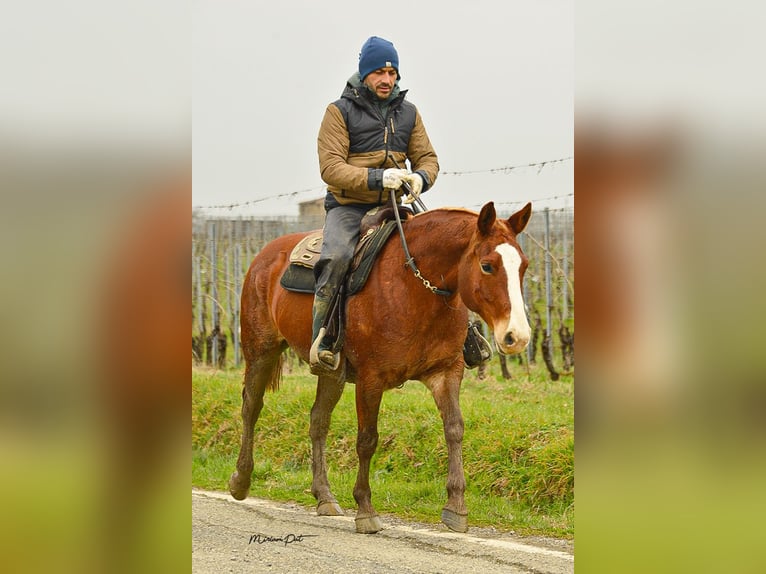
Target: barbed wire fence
{"type": "Point", "coordinates": [222, 249]}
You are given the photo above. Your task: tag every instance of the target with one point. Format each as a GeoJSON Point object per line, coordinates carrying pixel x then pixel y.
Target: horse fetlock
{"type": "Point", "coordinates": [363, 497]}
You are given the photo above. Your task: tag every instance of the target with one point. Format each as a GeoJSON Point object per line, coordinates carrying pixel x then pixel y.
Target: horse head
{"type": "Point", "coordinates": [491, 277]}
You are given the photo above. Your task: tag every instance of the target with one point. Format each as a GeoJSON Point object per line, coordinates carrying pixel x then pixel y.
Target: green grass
{"type": "Point", "coordinates": [518, 447]}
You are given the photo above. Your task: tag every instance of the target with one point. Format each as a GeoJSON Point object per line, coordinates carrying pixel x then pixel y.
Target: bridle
{"type": "Point", "coordinates": [418, 207]}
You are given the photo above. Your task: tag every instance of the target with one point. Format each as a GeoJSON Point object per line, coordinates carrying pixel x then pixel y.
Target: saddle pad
{"type": "Point", "coordinates": [298, 278]}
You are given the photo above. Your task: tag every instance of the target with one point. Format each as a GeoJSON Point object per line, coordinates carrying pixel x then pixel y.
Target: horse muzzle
{"type": "Point", "coordinates": [512, 342]}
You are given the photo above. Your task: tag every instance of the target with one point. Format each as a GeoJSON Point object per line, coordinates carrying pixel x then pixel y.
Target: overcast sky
{"type": "Point", "coordinates": [492, 79]}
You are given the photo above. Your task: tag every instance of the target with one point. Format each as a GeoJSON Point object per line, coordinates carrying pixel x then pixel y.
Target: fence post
{"type": "Point", "coordinates": [237, 291]}
{"type": "Point", "coordinates": [198, 278]}
{"type": "Point", "coordinates": [548, 292]}
{"type": "Point", "coordinates": [228, 280]}
{"type": "Point", "coordinates": [527, 299]}
{"type": "Point", "coordinates": [548, 340]}
{"type": "Point", "coordinates": [214, 279]}
{"type": "Point", "coordinates": [565, 265]}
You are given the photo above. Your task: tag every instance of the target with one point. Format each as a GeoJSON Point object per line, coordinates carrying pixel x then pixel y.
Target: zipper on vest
{"type": "Point", "coordinates": [385, 136]}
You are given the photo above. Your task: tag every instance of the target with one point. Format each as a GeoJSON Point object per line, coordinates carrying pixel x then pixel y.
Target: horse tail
{"type": "Point", "coordinates": [276, 375]}
{"type": "Point", "coordinates": [260, 339]}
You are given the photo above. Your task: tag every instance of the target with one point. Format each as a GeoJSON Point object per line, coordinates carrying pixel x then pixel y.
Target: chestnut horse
{"type": "Point", "coordinates": [396, 330]}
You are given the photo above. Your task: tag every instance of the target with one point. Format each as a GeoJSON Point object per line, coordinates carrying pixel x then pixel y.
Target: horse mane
{"type": "Point", "coordinates": [448, 209]}
{"type": "Point", "coordinates": [461, 218]}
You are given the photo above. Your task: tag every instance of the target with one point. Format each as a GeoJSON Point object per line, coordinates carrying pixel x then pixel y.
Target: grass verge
{"type": "Point", "coordinates": [518, 448]}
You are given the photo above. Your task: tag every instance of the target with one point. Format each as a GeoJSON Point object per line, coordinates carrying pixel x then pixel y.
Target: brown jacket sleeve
{"type": "Point", "coordinates": [421, 153]}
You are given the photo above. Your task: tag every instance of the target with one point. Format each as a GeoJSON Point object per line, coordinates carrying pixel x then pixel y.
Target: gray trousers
{"type": "Point", "coordinates": [341, 234]}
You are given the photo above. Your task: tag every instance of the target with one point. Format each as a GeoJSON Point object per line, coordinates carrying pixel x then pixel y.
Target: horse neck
{"type": "Point", "coordinates": [437, 240]}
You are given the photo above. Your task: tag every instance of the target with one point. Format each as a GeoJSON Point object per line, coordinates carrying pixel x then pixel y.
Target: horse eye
{"type": "Point", "coordinates": [487, 268]}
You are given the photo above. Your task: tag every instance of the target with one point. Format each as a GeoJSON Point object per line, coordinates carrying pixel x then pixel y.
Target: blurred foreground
{"type": "Point", "coordinates": [669, 201]}
{"type": "Point", "coordinates": [95, 391]}
{"type": "Point", "coordinates": [95, 188]}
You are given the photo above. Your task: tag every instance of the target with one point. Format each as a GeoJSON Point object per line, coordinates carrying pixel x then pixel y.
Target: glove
{"type": "Point", "coordinates": [415, 180]}
{"type": "Point", "coordinates": [392, 178]}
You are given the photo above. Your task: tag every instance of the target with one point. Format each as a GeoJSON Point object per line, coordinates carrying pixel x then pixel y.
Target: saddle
{"type": "Point", "coordinates": [375, 229]}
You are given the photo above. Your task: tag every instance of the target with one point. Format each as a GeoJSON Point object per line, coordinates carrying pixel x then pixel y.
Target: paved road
{"type": "Point", "coordinates": [262, 536]}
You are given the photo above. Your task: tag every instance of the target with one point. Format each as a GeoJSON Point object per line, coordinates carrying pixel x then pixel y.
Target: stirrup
{"type": "Point", "coordinates": [476, 349]}
{"type": "Point", "coordinates": [322, 363]}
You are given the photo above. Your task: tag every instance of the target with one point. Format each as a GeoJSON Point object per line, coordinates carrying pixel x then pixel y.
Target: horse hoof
{"type": "Point", "coordinates": [455, 521]}
{"type": "Point", "coordinates": [368, 524]}
{"type": "Point", "coordinates": [329, 508]}
{"type": "Point", "coordinates": [236, 488]}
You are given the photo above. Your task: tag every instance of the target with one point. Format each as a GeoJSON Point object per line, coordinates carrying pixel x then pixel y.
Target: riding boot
{"type": "Point", "coordinates": [321, 357]}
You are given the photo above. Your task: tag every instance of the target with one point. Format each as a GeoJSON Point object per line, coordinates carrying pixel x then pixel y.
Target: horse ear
{"type": "Point", "coordinates": [487, 218]}
{"type": "Point", "coordinates": [520, 219]}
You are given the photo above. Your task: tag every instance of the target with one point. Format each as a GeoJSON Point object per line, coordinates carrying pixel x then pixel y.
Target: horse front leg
{"type": "Point", "coordinates": [367, 408]}
{"type": "Point", "coordinates": [329, 391]}
{"type": "Point", "coordinates": [445, 389]}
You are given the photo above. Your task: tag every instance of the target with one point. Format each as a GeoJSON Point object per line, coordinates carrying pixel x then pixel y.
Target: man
{"type": "Point", "coordinates": [364, 142]}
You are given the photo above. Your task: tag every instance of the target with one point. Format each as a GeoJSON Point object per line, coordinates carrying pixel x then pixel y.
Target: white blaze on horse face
{"type": "Point", "coordinates": [512, 335]}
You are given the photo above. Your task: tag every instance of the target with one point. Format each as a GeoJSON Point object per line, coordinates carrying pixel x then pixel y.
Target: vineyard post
{"type": "Point", "coordinates": [237, 291]}
{"type": "Point", "coordinates": [228, 279]}
{"type": "Point", "coordinates": [200, 295]}
{"type": "Point", "coordinates": [214, 281]}
{"type": "Point", "coordinates": [565, 265]}
{"type": "Point", "coordinates": [527, 299]}
{"type": "Point", "coordinates": [548, 291]}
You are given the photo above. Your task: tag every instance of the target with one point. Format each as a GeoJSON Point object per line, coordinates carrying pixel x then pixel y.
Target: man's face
{"type": "Point", "coordinates": [381, 81]}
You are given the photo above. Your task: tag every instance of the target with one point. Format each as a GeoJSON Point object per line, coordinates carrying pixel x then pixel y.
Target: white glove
{"type": "Point", "coordinates": [416, 186]}
{"type": "Point", "coordinates": [392, 178]}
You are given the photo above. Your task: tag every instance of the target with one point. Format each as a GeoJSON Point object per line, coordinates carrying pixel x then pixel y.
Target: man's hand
{"type": "Point", "coordinates": [392, 178]}
{"type": "Point", "coordinates": [416, 186]}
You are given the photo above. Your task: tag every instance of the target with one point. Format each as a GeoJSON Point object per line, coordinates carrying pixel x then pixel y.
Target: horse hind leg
{"type": "Point", "coordinates": [329, 391]}
{"type": "Point", "coordinates": [260, 373]}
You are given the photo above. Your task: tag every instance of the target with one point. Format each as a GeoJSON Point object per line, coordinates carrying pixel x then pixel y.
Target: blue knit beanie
{"type": "Point", "coordinates": [377, 53]}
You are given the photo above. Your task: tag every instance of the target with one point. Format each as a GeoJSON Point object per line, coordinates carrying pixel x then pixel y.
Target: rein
{"type": "Point", "coordinates": [410, 261]}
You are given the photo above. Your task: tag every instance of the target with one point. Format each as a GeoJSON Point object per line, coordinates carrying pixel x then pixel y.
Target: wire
{"type": "Point", "coordinates": [509, 168]}
{"type": "Point", "coordinates": [254, 201]}
{"type": "Point", "coordinates": [501, 170]}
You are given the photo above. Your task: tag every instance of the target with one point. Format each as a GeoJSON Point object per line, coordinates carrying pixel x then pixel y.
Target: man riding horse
{"type": "Point", "coordinates": [365, 138]}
